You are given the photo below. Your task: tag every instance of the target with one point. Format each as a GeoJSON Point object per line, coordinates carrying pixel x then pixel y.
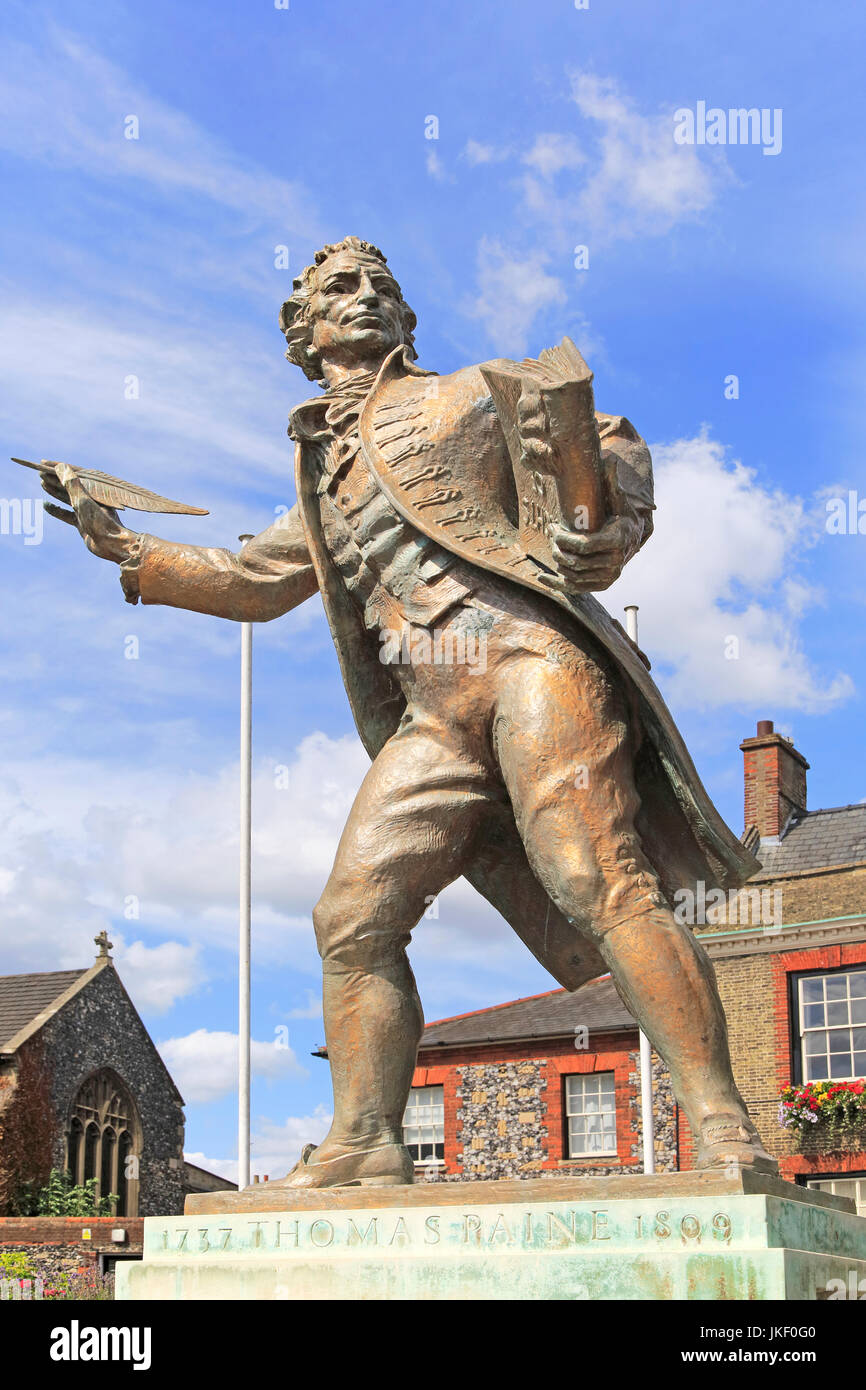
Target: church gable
{"type": "Point", "coordinates": [86, 1057]}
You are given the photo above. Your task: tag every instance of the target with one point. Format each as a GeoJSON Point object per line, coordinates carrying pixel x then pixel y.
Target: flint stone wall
{"type": "Point", "coordinates": [99, 1028]}
{"type": "Point", "coordinates": [502, 1109]}
{"type": "Point", "coordinates": [503, 1128]}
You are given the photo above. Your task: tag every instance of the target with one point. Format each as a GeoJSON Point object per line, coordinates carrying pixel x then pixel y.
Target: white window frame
{"type": "Point", "coordinates": [829, 1185]}
{"type": "Point", "coordinates": [601, 1086]}
{"type": "Point", "coordinates": [436, 1124]}
{"type": "Point", "coordinates": [815, 1029]}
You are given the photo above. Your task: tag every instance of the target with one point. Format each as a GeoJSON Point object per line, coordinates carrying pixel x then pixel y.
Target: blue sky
{"type": "Point", "coordinates": [154, 258]}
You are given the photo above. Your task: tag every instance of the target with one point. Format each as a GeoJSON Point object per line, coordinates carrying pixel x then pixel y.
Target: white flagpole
{"type": "Point", "coordinates": [246, 739]}
{"type": "Point", "coordinates": [646, 1075]}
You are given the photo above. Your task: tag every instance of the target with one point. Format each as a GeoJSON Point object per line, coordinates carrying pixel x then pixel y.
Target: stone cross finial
{"type": "Point", "coordinates": [104, 945]}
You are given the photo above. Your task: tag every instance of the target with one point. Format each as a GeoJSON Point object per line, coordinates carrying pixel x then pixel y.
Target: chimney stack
{"type": "Point", "coordinates": [774, 776]}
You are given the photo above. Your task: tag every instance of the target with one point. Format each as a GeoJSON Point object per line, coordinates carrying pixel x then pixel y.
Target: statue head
{"type": "Point", "coordinates": [346, 307]}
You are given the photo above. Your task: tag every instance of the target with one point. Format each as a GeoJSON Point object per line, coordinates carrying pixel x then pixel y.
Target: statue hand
{"type": "Point", "coordinates": [102, 530]}
{"type": "Point", "coordinates": [589, 561]}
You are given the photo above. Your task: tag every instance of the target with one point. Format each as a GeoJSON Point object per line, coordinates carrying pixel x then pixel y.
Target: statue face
{"type": "Point", "coordinates": [355, 308]}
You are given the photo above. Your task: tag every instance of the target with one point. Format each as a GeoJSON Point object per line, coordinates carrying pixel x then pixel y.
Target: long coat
{"type": "Point", "coordinates": [437, 450]}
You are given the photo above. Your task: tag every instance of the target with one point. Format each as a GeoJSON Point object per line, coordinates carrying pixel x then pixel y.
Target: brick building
{"type": "Point", "coordinates": [545, 1084]}
{"type": "Point", "coordinates": [794, 983]}
{"type": "Point", "coordinates": [551, 1083]}
{"type": "Point", "coordinates": [84, 1089]}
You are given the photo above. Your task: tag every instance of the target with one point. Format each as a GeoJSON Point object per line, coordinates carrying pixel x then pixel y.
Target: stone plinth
{"type": "Point", "coordinates": [672, 1236]}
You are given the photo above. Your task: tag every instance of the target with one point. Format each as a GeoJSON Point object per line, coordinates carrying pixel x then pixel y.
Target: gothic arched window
{"type": "Point", "coordinates": [104, 1140]}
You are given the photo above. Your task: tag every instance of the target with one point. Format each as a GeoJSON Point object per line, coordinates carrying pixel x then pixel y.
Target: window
{"type": "Point", "coordinates": [832, 1024]}
{"type": "Point", "coordinates": [102, 1140]}
{"type": "Point", "coordinates": [424, 1124]}
{"type": "Point", "coordinates": [590, 1109]}
{"type": "Point", "coordinates": [844, 1187]}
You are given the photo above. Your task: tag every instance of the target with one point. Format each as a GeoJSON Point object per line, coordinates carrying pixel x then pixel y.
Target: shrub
{"type": "Point", "coordinates": [60, 1197]}
{"type": "Point", "coordinates": [16, 1265]}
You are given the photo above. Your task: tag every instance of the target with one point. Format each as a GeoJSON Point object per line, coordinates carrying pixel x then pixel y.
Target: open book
{"type": "Point", "coordinates": [547, 412]}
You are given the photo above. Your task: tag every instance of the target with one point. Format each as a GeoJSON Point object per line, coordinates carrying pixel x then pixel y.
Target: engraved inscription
{"type": "Point", "coordinates": [554, 1227]}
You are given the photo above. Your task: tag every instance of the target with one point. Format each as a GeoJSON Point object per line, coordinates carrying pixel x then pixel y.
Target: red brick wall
{"type": "Point", "coordinates": [774, 781]}
{"type": "Point", "coordinates": [446, 1076]}
{"type": "Point", "coordinates": [615, 1052]}
{"type": "Point", "coordinates": [618, 1056]}
{"type": "Point", "coordinates": [794, 1164]}
{"type": "Point", "coordinates": [755, 991]}
{"type": "Point", "coordinates": [66, 1230]}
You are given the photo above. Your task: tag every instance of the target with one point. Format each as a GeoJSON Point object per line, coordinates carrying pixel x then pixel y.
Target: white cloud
{"type": "Point", "coordinates": [436, 169]}
{"type": "Point", "coordinates": [554, 152]}
{"type": "Point", "coordinates": [512, 291]}
{"type": "Point", "coordinates": [621, 176]}
{"type": "Point", "coordinates": [223, 1167]}
{"type": "Point", "coordinates": [626, 176]}
{"type": "Point", "coordinates": [71, 857]}
{"type": "Point", "coordinates": [65, 373]}
{"type": "Point", "coordinates": [157, 976]}
{"type": "Point", "coordinates": [641, 182]}
{"type": "Point", "coordinates": [719, 589]}
{"type": "Point", "coordinates": [312, 1008]}
{"type": "Point", "coordinates": [475, 152]}
{"type": "Point", "coordinates": [274, 1147]}
{"type": "Point", "coordinates": [64, 104]}
{"type": "Point", "coordinates": [204, 1064]}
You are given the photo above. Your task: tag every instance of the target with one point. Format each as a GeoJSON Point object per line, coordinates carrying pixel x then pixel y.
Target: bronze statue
{"type": "Point", "coordinates": [550, 775]}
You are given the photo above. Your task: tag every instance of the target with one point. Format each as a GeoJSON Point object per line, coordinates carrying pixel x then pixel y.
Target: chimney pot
{"type": "Point", "coordinates": [774, 781]}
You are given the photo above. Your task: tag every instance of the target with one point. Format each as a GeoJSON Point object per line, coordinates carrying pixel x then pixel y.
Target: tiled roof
{"type": "Point", "coordinates": [22, 997]}
{"type": "Point", "coordinates": [817, 840]}
{"type": "Point", "coordinates": [556, 1014]}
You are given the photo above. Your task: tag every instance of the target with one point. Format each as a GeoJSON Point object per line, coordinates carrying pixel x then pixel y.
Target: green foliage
{"type": "Point", "coordinates": [25, 1201]}
{"type": "Point", "coordinates": [60, 1197]}
{"type": "Point", "coordinates": [16, 1265]}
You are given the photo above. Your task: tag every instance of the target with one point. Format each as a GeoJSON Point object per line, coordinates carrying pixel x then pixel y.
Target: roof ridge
{"type": "Point", "coordinates": [510, 1003]}
{"type": "Point", "coordinates": [551, 1014]}
{"type": "Point", "coordinates": [828, 811]}
{"type": "Point", "coordinates": [492, 1008]}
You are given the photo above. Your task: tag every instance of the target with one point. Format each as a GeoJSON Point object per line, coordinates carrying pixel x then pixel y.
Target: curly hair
{"type": "Point", "coordinates": [296, 320]}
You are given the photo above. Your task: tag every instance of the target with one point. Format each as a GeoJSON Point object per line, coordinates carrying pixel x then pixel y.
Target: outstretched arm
{"type": "Point", "coordinates": [271, 574]}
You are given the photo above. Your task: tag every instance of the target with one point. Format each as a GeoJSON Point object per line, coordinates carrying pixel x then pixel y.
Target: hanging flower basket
{"type": "Point", "coordinates": [828, 1110]}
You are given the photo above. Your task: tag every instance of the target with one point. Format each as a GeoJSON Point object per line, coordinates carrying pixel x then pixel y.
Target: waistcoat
{"type": "Point", "coordinates": [393, 572]}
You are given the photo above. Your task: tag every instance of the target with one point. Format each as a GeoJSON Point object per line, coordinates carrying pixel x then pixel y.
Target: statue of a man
{"type": "Point", "coordinates": [551, 775]}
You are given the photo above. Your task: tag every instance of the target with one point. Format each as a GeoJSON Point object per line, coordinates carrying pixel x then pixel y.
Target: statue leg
{"type": "Point", "coordinates": [409, 834]}
{"type": "Point", "coordinates": [566, 749]}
